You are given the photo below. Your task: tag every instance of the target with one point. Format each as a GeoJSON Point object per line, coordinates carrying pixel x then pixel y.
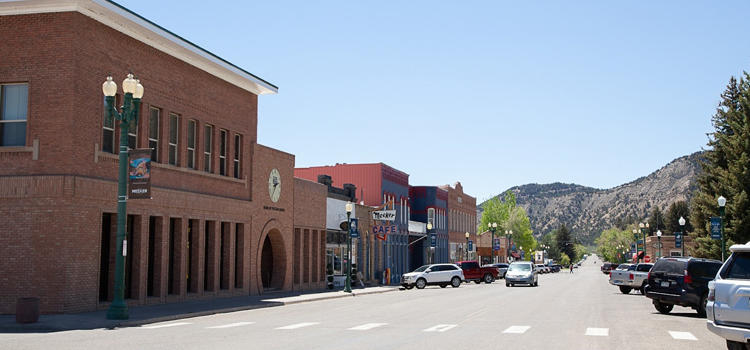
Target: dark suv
{"type": "Point", "coordinates": [681, 281]}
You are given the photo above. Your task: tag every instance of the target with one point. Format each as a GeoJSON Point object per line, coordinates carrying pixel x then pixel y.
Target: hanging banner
{"type": "Point", "coordinates": [353, 229]}
{"type": "Point", "coordinates": [471, 245]}
{"type": "Point", "coordinates": [715, 227]}
{"type": "Point", "coordinates": [139, 173]}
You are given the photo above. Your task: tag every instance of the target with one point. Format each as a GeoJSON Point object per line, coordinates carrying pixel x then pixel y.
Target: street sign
{"type": "Point", "coordinates": [433, 240]}
{"type": "Point", "coordinates": [384, 215]}
{"type": "Point", "coordinates": [353, 231]}
{"type": "Point", "coordinates": [678, 239]}
{"type": "Point", "coordinates": [715, 227]}
{"type": "Point", "coordinates": [471, 245]}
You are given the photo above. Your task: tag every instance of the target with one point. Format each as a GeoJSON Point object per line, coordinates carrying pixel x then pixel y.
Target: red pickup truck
{"type": "Point", "coordinates": [473, 272]}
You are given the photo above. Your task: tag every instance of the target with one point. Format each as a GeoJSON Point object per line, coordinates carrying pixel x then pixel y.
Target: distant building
{"type": "Point", "coordinates": [462, 218]}
{"type": "Point", "coordinates": [429, 204]}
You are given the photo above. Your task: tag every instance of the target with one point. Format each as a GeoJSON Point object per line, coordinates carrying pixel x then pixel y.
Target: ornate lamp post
{"type": "Point", "coordinates": [348, 286]}
{"type": "Point", "coordinates": [508, 234]}
{"type": "Point", "coordinates": [722, 211]}
{"type": "Point", "coordinates": [658, 235]}
{"type": "Point", "coordinates": [467, 245]}
{"type": "Point", "coordinates": [682, 227]}
{"type": "Point", "coordinates": [493, 228]}
{"type": "Point", "coordinates": [432, 249]}
{"type": "Point", "coordinates": [643, 232]}
{"type": "Point", "coordinates": [635, 234]}
{"type": "Point", "coordinates": [133, 90]}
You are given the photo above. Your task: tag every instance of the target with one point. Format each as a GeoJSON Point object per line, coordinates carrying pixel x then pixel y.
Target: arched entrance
{"type": "Point", "coordinates": [272, 261]}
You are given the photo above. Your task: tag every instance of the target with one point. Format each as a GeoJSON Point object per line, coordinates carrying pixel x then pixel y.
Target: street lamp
{"type": "Point", "coordinates": [467, 245]}
{"type": "Point", "coordinates": [508, 234]}
{"type": "Point", "coordinates": [643, 232]}
{"type": "Point", "coordinates": [348, 286]}
{"type": "Point", "coordinates": [133, 90]}
{"type": "Point", "coordinates": [658, 235]}
{"type": "Point", "coordinates": [635, 234]}
{"type": "Point", "coordinates": [682, 227]}
{"type": "Point", "coordinates": [722, 211]}
{"type": "Point", "coordinates": [432, 249]}
{"type": "Point", "coordinates": [493, 228]}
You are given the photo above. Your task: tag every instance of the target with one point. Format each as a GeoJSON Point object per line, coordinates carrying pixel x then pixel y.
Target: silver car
{"type": "Point", "coordinates": [728, 301]}
{"type": "Point", "coordinates": [521, 272]}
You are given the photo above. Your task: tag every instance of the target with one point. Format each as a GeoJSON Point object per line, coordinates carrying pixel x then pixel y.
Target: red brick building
{"type": "Point", "coordinates": [211, 229]}
{"type": "Point", "coordinates": [462, 218]}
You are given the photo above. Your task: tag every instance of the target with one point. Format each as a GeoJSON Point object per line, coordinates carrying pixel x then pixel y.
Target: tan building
{"type": "Point", "coordinates": [667, 246]}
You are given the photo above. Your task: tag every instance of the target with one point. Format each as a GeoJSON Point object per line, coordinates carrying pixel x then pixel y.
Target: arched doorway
{"type": "Point", "coordinates": [272, 261]}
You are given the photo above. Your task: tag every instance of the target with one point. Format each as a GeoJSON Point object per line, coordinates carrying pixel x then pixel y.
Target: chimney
{"type": "Point", "coordinates": [351, 191]}
{"type": "Point", "coordinates": [325, 179]}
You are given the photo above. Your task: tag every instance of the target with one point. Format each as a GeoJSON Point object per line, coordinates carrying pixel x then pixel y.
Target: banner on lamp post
{"type": "Point", "coordinates": [139, 173]}
{"type": "Point", "coordinates": [715, 227]}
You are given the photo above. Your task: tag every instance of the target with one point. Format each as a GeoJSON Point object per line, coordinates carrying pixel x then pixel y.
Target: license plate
{"type": "Point", "coordinates": [665, 284]}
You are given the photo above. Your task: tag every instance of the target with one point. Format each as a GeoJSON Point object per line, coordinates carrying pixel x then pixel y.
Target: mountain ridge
{"type": "Point", "coordinates": [588, 210]}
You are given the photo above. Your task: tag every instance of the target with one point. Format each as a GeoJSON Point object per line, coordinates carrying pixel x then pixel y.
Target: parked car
{"type": "Point", "coordinates": [540, 268]}
{"type": "Point", "coordinates": [502, 268]}
{"type": "Point", "coordinates": [434, 274]}
{"type": "Point", "coordinates": [681, 281]}
{"type": "Point", "coordinates": [521, 272]}
{"type": "Point", "coordinates": [473, 272]}
{"type": "Point", "coordinates": [634, 277]}
{"type": "Point", "coordinates": [608, 266]}
{"type": "Point", "coordinates": [728, 305]}
{"type": "Point", "coordinates": [555, 267]}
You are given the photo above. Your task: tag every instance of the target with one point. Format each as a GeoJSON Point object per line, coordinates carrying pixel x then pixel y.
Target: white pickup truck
{"type": "Point", "coordinates": [630, 276]}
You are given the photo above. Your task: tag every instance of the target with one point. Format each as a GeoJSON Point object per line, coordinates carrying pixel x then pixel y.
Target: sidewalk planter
{"type": "Point", "coordinates": [27, 310]}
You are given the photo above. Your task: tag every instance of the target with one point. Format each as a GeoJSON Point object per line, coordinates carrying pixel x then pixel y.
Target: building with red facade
{"type": "Point", "coordinates": [214, 226]}
{"type": "Point", "coordinates": [462, 218]}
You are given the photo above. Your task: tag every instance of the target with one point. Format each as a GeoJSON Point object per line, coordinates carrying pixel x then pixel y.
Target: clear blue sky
{"type": "Point", "coordinates": [492, 94]}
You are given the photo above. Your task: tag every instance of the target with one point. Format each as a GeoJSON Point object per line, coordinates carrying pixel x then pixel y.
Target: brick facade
{"type": "Point", "coordinates": [462, 218]}
{"type": "Point", "coordinates": [202, 235]}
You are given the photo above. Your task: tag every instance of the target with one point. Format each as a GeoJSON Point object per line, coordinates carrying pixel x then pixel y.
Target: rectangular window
{"type": "Point", "coordinates": [222, 152]}
{"type": "Point", "coordinates": [108, 129]}
{"type": "Point", "coordinates": [153, 133]}
{"type": "Point", "coordinates": [208, 133]}
{"type": "Point", "coordinates": [431, 216]}
{"type": "Point", "coordinates": [191, 144]}
{"type": "Point", "coordinates": [237, 155]}
{"type": "Point", "coordinates": [174, 125]}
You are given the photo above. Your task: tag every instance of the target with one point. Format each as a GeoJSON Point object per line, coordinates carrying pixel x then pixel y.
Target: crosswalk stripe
{"type": "Point", "coordinates": [597, 332]}
{"type": "Point", "coordinates": [299, 325]}
{"type": "Point", "coordinates": [517, 329]}
{"type": "Point", "coordinates": [230, 325]}
{"type": "Point", "coordinates": [367, 326]}
{"type": "Point", "coordinates": [440, 328]}
{"type": "Point", "coordinates": [682, 335]}
{"type": "Point", "coordinates": [166, 325]}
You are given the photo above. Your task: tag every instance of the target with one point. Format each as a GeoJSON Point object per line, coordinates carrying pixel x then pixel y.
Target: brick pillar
{"type": "Point", "coordinates": [200, 243]}
{"type": "Point", "coordinates": [161, 262]}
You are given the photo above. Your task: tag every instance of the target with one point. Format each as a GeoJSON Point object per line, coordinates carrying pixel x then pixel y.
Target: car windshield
{"type": "Point", "coordinates": [520, 267]}
{"type": "Point", "coordinates": [421, 268]}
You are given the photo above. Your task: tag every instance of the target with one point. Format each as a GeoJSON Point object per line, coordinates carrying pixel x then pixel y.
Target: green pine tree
{"type": "Point", "coordinates": [675, 211]}
{"type": "Point", "coordinates": [726, 172]}
{"type": "Point", "coordinates": [565, 243]}
{"type": "Point", "coordinates": [656, 221]}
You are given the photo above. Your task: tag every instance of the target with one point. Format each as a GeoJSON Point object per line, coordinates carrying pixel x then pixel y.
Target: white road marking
{"type": "Point", "coordinates": [682, 335]}
{"type": "Point", "coordinates": [440, 328]}
{"type": "Point", "coordinates": [299, 325]}
{"type": "Point", "coordinates": [597, 332]}
{"type": "Point", "coordinates": [237, 324]}
{"type": "Point", "coordinates": [166, 325]}
{"type": "Point", "coordinates": [367, 326]}
{"type": "Point", "coordinates": [517, 329]}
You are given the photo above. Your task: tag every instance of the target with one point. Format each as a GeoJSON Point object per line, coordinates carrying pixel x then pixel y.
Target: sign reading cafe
{"type": "Point", "coordinates": [139, 174]}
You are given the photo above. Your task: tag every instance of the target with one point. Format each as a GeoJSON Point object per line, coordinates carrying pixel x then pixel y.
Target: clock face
{"type": "Point", "coordinates": [274, 185]}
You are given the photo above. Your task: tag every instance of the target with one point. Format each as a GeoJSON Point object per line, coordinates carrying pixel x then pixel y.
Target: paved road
{"type": "Point", "coordinates": [567, 311]}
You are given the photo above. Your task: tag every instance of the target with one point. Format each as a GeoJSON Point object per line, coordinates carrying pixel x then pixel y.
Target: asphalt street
{"type": "Point", "coordinates": [567, 311]}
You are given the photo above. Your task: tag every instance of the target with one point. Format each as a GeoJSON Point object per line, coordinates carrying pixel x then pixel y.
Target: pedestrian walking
{"type": "Point", "coordinates": [571, 268]}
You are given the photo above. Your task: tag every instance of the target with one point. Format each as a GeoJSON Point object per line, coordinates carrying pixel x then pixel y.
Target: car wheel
{"type": "Point", "coordinates": [536, 283]}
{"type": "Point", "coordinates": [643, 288]}
{"type": "Point", "coordinates": [443, 285]}
{"type": "Point", "coordinates": [488, 278]}
{"type": "Point", "coordinates": [733, 345]}
{"type": "Point", "coordinates": [421, 283]}
{"type": "Point", "coordinates": [477, 281]}
{"type": "Point", "coordinates": [625, 290]}
{"type": "Point", "coordinates": [408, 287]}
{"type": "Point", "coordinates": [507, 284]}
{"type": "Point", "coordinates": [662, 307]}
{"type": "Point", "coordinates": [702, 307]}
{"type": "Point", "coordinates": [455, 282]}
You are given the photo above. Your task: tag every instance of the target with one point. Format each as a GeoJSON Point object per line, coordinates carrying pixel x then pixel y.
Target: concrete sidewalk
{"type": "Point", "coordinates": [140, 315]}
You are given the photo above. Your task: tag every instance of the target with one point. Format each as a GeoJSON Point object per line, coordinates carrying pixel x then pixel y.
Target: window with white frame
{"type": "Point", "coordinates": [222, 152]}
{"type": "Point", "coordinates": [191, 130]}
{"type": "Point", "coordinates": [237, 156]}
{"type": "Point", "coordinates": [108, 128]}
{"type": "Point", "coordinates": [14, 102]}
{"type": "Point", "coordinates": [153, 133]}
{"type": "Point", "coordinates": [208, 137]}
{"type": "Point", "coordinates": [174, 126]}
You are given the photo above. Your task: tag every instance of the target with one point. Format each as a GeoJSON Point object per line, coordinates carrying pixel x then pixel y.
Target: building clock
{"type": "Point", "coordinates": [274, 185]}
